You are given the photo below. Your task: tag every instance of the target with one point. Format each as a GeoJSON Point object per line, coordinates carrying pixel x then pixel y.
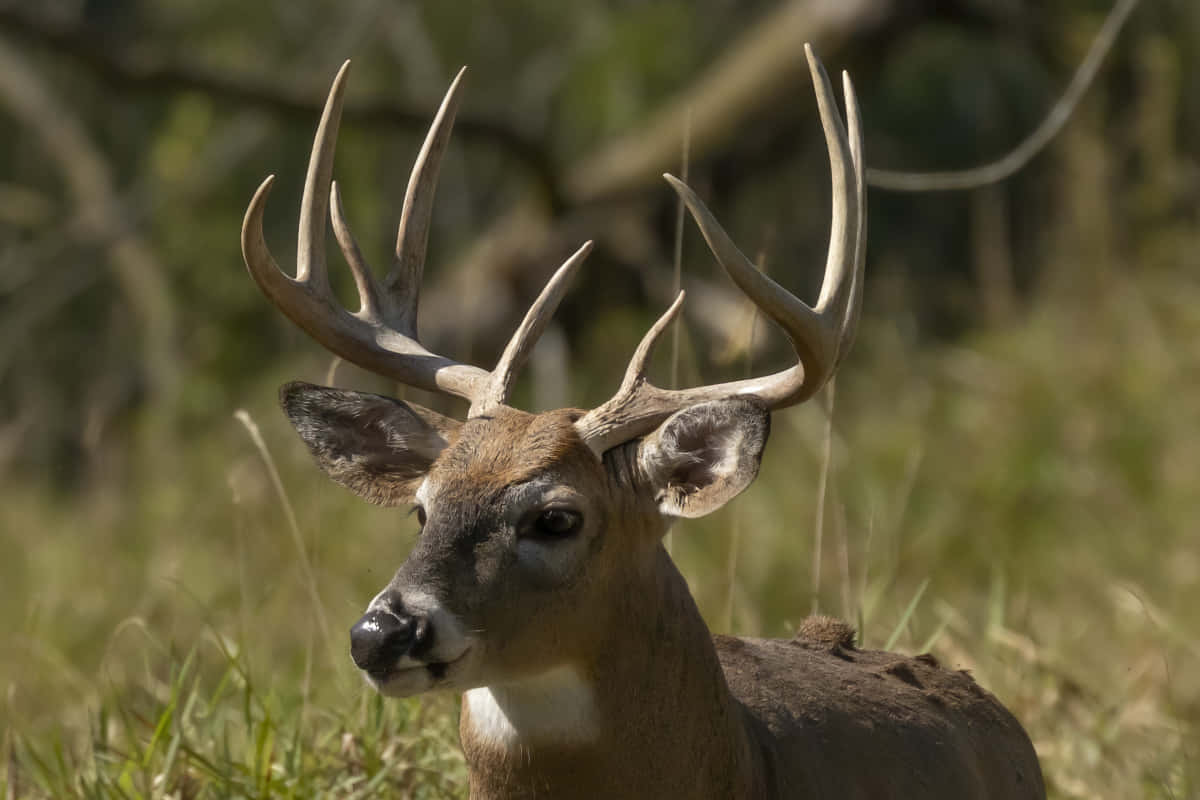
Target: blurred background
{"type": "Point", "coordinates": [1009, 474]}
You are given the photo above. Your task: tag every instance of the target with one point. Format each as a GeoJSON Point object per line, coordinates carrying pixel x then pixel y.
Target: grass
{"type": "Point", "coordinates": [1022, 502]}
{"type": "Point", "coordinates": [187, 736]}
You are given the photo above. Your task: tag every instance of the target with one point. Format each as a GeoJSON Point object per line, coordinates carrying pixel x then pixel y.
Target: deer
{"type": "Point", "coordinates": [539, 585]}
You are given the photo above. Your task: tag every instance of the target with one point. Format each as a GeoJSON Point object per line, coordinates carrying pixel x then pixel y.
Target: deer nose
{"type": "Point", "coordinates": [380, 638]}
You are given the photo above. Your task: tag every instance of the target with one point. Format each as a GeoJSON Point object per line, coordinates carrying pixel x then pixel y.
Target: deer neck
{"type": "Point", "coordinates": [649, 714]}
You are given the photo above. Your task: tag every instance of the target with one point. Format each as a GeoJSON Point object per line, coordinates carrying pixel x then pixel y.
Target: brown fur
{"type": "Point", "coordinates": [696, 716]}
{"type": "Point", "coordinates": [510, 447]}
{"type": "Point", "coordinates": [846, 723]}
{"type": "Point", "coordinates": [829, 632]}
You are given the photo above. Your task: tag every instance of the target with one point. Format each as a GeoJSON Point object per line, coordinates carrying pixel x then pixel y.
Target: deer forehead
{"type": "Point", "coordinates": [510, 447]}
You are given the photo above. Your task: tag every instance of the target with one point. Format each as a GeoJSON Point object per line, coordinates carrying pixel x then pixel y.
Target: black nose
{"type": "Point", "coordinates": [380, 638]}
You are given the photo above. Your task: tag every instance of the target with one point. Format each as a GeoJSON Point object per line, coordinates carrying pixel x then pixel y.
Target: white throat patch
{"type": "Point", "coordinates": [422, 493]}
{"type": "Point", "coordinates": [556, 707]}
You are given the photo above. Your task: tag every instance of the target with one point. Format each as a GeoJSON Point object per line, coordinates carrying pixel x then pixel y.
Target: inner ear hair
{"type": "Point", "coordinates": [377, 447]}
{"type": "Point", "coordinates": [705, 455]}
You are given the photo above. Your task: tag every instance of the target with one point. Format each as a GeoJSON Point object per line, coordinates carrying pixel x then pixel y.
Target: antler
{"type": "Point", "coordinates": [382, 335]}
{"type": "Point", "coordinates": [820, 336]}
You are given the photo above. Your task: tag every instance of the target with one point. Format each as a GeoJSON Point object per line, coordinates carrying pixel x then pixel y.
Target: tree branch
{"type": "Point", "coordinates": [115, 65]}
{"type": "Point", "coordinates": [765, 64]}
{"type": "Point", "coordinates": [1050, 126]}
{"type": "Point", "coordinates": [89, 180]}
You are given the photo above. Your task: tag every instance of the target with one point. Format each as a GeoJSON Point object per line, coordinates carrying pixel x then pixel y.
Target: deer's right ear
{"type": "Point", "coordinates": [377, 447]}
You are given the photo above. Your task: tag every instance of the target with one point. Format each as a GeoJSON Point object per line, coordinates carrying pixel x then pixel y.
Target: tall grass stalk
{"type": "Point", "coordinates": [898, 631]}
{"type": "Point", "coordinates": [822, 491]}
{"type": "Point", "coordinates": [677, 261]}
{"type": "Point", "coordinates": [310, 580]}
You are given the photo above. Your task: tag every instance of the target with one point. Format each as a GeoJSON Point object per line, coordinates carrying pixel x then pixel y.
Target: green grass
{"type": "Point", "coordinates": [1024, 502]}
{"type": "Point", "coordinates": [224, 736]}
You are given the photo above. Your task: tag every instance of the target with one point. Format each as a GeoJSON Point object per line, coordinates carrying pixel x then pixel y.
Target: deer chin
{"type": "Point", "coordinates": [410, 677]}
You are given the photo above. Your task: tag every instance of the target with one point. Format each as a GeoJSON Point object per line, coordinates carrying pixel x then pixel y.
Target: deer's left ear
{"type": "Point", "coordinates": [702, 457]}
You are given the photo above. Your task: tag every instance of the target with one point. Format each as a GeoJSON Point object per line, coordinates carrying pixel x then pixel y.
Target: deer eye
{"type": "Point", "coordinates": [556, 523]}
{"type": "Point", "coordinates": [420, 512]}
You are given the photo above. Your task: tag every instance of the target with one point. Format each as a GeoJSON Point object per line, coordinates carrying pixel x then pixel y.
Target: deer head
{"type": "Point", "coordinates": [538, 530]}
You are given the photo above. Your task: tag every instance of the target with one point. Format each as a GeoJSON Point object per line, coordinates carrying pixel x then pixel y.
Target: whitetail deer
{"type": "Point", "coordinates": [539, 586]}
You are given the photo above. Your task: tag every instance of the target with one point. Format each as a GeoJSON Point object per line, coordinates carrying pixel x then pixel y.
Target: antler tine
{"type": "Point", "coordinates": [310, 239]}
{"type": "Point", "coordinates": [802, 324]}
{"type": "Point", "coordinates": [820, 336]}
{"type": "Point", "coordinates": [638, 405]}
{"type": "Point", "coordinates": [310, 252]}
{"type": "Point", "coordinates": [635, 374]}
{"type": "Point", "coordinates": [525, 337]}
{"type": "Point", "coordinates": [412, 234]}
{"type": "Point", "coordinates": [854, 129]}
{"type": "Point", "coordinates": [311, 271]}
{"type": "Point", "coordinates": [371, 304]}
{"type": "Point", "coordinates": [843, 233]}
{"type": "Point", "coordinates": [381, 337]}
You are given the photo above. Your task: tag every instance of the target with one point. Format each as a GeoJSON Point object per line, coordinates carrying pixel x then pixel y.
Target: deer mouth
{"type": "Point", "coordinates": [405, 679]}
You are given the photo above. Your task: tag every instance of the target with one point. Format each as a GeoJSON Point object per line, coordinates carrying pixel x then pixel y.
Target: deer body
{"type": "Point", "coordinates": [837, 722]}
{"type": "Point", "coordinates": [539, 586]}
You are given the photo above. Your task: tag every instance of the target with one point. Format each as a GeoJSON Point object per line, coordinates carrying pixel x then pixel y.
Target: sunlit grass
{"type": "Point", "coordinates": [1024, 503]}
{"type": "Point", "coordinates": [221, 735]}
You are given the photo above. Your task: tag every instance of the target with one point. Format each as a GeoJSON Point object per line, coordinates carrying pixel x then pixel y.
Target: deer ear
{"type": "Point", "coordinates": [377, 447]}
{"type": "Point", "coordinates": [702, 457]}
